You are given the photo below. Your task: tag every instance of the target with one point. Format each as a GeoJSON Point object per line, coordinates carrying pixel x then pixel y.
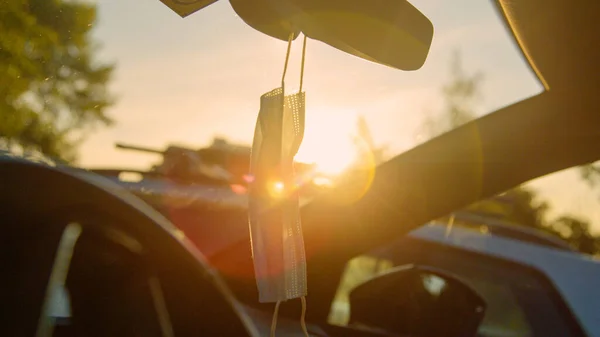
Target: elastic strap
{"type": "Point", "coordinates": [303, 317]}
{"type": "Point", "coordinates": [274, 321]}
{"type": "Point", "coordinates": [302, 64]}
{"type": "Point", "coordinates": [287, 58]}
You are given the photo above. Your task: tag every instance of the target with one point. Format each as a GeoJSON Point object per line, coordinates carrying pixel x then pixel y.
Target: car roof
{"type": "Point", "coordinates": [575, 276]}
{"type": "Point", "coordinates": [556, 38]}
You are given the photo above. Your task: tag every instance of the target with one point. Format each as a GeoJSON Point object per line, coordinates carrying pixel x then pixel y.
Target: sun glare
{"type": "Point", "coordinates": [328, 142]}
{"type": "Point", "coordinates": [276, 189]}
{"type": "Point", "coordinates": [330, 160]}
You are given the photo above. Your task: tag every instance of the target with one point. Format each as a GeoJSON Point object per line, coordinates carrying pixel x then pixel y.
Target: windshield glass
{"type": "Point", "coordinates": [78, 77]}
{"type": "Point", "coordinates": [167, 107]}
{"type": "Point", "coordinates": [188, 80]}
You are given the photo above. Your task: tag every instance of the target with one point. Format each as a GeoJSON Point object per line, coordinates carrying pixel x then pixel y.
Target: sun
{"type": "Point", "coordinates": [328, 142]}
{"type": "Point", "coordinates": [330, 158]}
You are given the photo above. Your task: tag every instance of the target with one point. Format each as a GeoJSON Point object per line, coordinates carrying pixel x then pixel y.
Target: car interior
{"type": "Point", "coordinates": [124, 272]}
{"type": "Point", "coordinates": [130, 274]}
{"type": "Point", "coordinates": [554, 130]}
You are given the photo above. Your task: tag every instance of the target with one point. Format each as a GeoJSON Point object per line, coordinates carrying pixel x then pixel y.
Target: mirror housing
{"type": "Point", "coordinates": [267, 17]}
{"type": "Point", "coordinates": [389, 32]}
{"type": "Point", "coordinates": [186, 7]}
{"type": "Point", "coordinates": [417, 301]}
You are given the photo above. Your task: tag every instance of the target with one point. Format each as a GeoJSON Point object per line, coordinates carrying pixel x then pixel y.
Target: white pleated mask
{"type": "Point", "coordinates": [274, 211]}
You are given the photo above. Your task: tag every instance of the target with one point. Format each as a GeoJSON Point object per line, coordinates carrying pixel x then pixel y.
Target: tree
{"type": "Point", "coordinates": [577, 232]}
{"type": "Point", "coordinates": [591, 174]}
{"type": "Point", "coordinates": [519, 205]}
{"type": "Point", "coordinates": [51, 85]}
{"type": "Point", "coordinates": [365, 144]}
{"type": "Point", "coordinates": [460, 95]}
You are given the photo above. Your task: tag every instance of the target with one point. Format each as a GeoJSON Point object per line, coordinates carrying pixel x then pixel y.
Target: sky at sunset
{"type": "Point", "coordinates": [187, 80]}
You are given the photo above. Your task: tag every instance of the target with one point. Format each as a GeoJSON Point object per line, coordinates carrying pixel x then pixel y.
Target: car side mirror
{"type": "Point", "coordinates": [417, 301]}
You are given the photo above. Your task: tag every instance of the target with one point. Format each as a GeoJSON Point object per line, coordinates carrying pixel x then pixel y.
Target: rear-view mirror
{"type": "Point", "coordinates": [417, 301]}
{"type": "Point", "coordinates": [187, 7]}
{"type": "Point", "coordinates": [389, 32]}
{"type": "Point", "coordinates": [268, 17]}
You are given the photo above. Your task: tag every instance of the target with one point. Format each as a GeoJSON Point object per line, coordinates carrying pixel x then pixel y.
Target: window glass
{"type": "Point", "coordinates": [27, 257]}
{"type": "Point", "coordinates": [358, 271]}
{"type": "Point", "coordinates": [517, 303]}
{"type": "Point", "coordinates": [570, 200]}
{"type": "Point", "coordinates": [100, 288]}
{"type": "Point", "coordinates": [504, 317]}
{"type": "Point", "coordinates": [559, 211]}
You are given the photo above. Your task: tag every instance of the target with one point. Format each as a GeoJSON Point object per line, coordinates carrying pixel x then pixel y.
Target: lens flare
{"type": "Point", "coordinates": [276, 189]}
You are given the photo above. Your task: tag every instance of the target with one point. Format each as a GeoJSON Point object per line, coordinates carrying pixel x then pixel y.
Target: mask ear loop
{"type": "Point", "coordinates": [274, 321]}
{"type": "Point", "coordinates": [302, 64]}
{"type": "Point", "coordinates": [285, 65]}
{"type": "Point", "coordinates": [303, 317]}
{"type": "Point", "coordinates": [303, 298]}
{"type": "Point", "coordinates": [287, 58]}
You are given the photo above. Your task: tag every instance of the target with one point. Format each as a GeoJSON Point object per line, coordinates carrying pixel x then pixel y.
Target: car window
{"type": "Point", "coordinates": [27, 258]}
{"type": "Point", "coordinates": [504, 317]}
{"type": "Point", "coordinates": [194, 75]}
{"type": "Point", "coordinates": [100, 288]}
{"type": "Point", "coordinates": [520, 301]}
{"type": "Point", "coordinates": [566, 204]}
{"type": "Point", "coordinates": [71, 273]}
{"type": "Point", "coordinates": [357, 271]}
{"type": "Point", "coordinates": [517, 303]}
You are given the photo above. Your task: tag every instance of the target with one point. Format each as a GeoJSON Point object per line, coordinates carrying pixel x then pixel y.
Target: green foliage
{"type": "Point", "coordinates": [591, 174]}
{"type": "Point", "coordinates": [50, 84]}
{"type": "Point", "coordinates": [460, 95]}
{"type": "Point", "coordinates": [365, 145]}
{"type": "Point", "coordinates": [578, 233]}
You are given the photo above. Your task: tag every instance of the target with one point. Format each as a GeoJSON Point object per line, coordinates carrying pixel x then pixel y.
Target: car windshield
{"type": "Point", "coordinates": [166, 106]}
{"type": "Point", "coordinates": [188, 80]}
{"type": "Point", "coordinates": [78, 77]}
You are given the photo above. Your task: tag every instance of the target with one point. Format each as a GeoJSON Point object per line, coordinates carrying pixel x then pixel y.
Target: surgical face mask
{"type": "Point", "coordinates": [275, 226]}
